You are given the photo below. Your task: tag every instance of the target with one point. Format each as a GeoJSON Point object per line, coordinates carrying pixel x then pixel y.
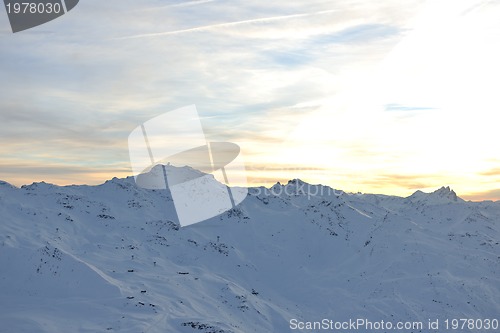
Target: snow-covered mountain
{"type": "Point", "coordinates": [112, 258]}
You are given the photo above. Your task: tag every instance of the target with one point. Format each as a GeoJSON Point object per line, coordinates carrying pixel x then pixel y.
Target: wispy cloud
{"type": "Point", "coordinates": [491, 172]}
{"type": "Point", "coordinates": [399, 107]}
{"type": "Point", "coordinates": [493, 195]}
{"type": "Point", "coordinates": [59, 174]}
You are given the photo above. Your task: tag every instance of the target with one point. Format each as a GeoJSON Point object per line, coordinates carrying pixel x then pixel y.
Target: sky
{"type": "Point", "coordinates": [365, 96]}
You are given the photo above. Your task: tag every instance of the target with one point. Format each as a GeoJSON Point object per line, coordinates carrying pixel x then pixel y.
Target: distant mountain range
{"type": "Point", "coordinates": [112, 258]}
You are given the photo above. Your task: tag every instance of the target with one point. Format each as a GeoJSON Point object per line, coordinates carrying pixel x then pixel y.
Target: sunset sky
{"type": "Point", "coordinates": [371, 96]}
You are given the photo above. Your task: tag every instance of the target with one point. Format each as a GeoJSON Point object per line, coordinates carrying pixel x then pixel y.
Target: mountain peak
{"type": "Point", "coordinates": [443, 194]}
{"type": "Point", "coordinates": [446, 192]}
{"type": "Point", "coordinates": [4, 184]}
{"type": "Point", "coordinates": [296, 181]}
{"type": "Point", "coordinates": [158, 176]}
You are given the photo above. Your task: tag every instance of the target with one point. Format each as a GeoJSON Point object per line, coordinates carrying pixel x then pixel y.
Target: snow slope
{"type": "Point", "coordinates": [111, 258]}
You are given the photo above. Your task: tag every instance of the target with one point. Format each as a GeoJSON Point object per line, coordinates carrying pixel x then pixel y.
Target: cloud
{"type": "Point", "coordinates": [399, 107]}
{"type": "Point", "coordinates": [183, 4]}
{"type": "Point", "coordinates": [257, 72]}
{"type": "Point", "coordinates": [491, 172]}
{"type": "Point", "coordinates": [493, 195]}
{"type": "Point", "coordinates": [19, 174]}
{"type": "Point", "coordinates": [361, 33]}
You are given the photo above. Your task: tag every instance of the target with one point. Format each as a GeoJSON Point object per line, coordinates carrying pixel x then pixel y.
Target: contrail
{"type": "Point", "coordinates": [229, 24]}
{"type": "Point", "coordinates": [181, 4]}
{"type": "Point", "coordinates": [190, 3]}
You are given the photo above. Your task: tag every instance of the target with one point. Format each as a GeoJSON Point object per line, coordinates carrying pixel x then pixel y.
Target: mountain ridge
{"type": "Point", "coordinates": [112, 257]}
{"type": "Point", "coordinates": [187, 172]}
